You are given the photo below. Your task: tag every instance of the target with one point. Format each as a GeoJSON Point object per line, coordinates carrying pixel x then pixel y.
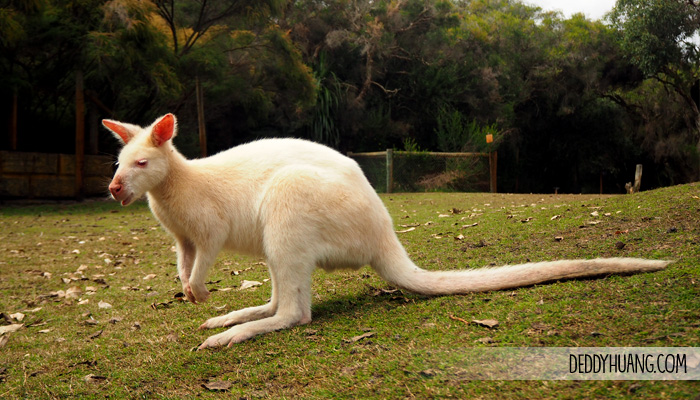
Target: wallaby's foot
{"type": "Point", "coordinates": [226, 338]}
{"type": "Point", "coordinates": [241, 316]}
{"type": "Point", "coordinates": [243, 332]}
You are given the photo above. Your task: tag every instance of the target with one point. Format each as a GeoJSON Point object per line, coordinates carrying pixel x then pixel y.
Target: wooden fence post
{"type": "Point", "coordinates": [493, 171]}
{"type": "Point", "coordinates": [638, 178]}
{"type": "Point", "coordinates": [389, 170]}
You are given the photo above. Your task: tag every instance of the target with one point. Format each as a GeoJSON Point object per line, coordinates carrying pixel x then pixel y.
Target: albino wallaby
{"type": "Point", "coordinates": [301, 205]}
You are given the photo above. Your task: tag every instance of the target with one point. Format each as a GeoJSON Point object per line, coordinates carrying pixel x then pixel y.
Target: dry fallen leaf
{"type": "Point", "coordinates": [17, 316]}
{"type": "Point", "coordinates": [380, 291]}
{"type": "Point", "coordinates": [249, 284]}
{"type": "Point", "coordinates": [218, 386]}
{"type": "Point", "coordinates": [406, 230]}
{"type": "Point", "coordinates": [488, 323]}
{"type": "Point", "coordinates": [73, 292]}
{"type": "Point", "coordinates": [96, 334]}
{"type": "Point", "coordinates": [10, 328]}
{"type": "Point", "coordinates": [149, 276]}
{"type": "Point", "coordinates": [3, 341]}
{"type": "Point", "coordinates": [104, 304]}
{"type": "Point", "coordinates": [360, 337]}
{"type": "Point", "coordinates": [94, 378]}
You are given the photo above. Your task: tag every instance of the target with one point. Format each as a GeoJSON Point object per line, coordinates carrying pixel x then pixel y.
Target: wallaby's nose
{"type": "Point", "coordinates": [115, 188]}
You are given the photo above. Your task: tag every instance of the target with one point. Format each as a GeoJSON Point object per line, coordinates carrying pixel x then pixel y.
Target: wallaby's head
{"type": "Point", "coordinates": [144, 159]}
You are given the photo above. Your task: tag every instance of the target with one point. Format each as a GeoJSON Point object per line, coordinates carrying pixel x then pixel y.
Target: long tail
{"type": "Point", "coordinates": [396, 267]}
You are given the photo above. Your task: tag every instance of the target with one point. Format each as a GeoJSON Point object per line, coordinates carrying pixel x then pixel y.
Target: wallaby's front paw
{"type": "Point", "coordinates": [195, 294]}
{"type": "Point", "coordinates": [188, 293]}
{"type": "Point", "coordinates": [199, 293]}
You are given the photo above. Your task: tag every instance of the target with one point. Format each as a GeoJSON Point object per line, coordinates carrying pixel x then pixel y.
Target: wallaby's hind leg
{"type": "Point", "coordinates": [246, 314]}
{"type": "Point", "coordinates": [292, 285]}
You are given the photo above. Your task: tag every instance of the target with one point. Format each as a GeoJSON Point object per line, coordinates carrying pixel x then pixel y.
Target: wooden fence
{"type": "Point", "coordinates": [390, 154]}
{"type": "Point", "coordinates": [44, 175]}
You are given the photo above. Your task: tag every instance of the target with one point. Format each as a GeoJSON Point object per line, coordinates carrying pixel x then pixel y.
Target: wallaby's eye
{"type": "Point", "coordinates": [142, 163]}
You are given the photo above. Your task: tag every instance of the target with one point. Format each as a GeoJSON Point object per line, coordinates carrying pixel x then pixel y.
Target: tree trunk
{"type": "Point", "coordinates": [79, 134]}
{"type": "Point", "coordinates": [13, 122]}
{"type": "Point", "coordinates": [200, 119]}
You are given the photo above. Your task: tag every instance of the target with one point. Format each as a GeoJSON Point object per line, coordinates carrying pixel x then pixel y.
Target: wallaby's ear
{"type": "Point", "coordinates": [164, 129]}
{"type": "Point", "coordinates": [124, 132]}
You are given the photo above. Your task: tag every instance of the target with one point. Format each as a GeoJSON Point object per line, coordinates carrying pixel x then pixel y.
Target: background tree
{"type": "Point", "coordinates": [660, 38]}
{"type": "Point", "coordinates": [42, 46]}
{"type": "Point", "coordinates": [254, 81]}
{"type": "Point", "coordinates": [570, 100]}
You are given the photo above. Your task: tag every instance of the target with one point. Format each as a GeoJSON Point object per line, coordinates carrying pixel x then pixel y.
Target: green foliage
{"type": "Point", "coordinates": [367, 75]}
{"type": "Point", "coordinates": [128, 41]}
{"type": "Point", "coordinates": [410, 144]}
{"type": "Point", "coordinates": [658, 38]}
{"type": "Point", "coordinates": [657, 34]}
{"type": "Point", "coordinates": [456, 134]}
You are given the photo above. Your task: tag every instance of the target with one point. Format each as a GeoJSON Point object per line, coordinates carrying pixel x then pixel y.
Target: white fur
{"type": "Point", "coordinates": [301, 205]}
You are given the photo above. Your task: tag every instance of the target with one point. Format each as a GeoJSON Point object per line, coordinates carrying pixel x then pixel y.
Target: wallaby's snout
{"type": "Point", "coordinates": [115, 187]}
{"type": "Point", "coordinates": [119, 193]}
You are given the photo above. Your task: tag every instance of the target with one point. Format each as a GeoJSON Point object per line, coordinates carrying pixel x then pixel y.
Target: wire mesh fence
{"type": "Point", "coordinates": [402, 171]}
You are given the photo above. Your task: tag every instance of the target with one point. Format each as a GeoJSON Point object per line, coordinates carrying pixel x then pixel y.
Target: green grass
{"type": "Point", "coordinates": [141, 346]}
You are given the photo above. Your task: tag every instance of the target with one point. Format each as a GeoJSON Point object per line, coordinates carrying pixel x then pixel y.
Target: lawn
{"type": "Point", "coordinates": [91, 289]}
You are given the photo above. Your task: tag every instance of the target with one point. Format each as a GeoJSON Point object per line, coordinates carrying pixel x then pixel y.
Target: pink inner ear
{"type": "Point", "coordinates": [164, 129]}
{"type": "Point", "coordinates": [118, 129]}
